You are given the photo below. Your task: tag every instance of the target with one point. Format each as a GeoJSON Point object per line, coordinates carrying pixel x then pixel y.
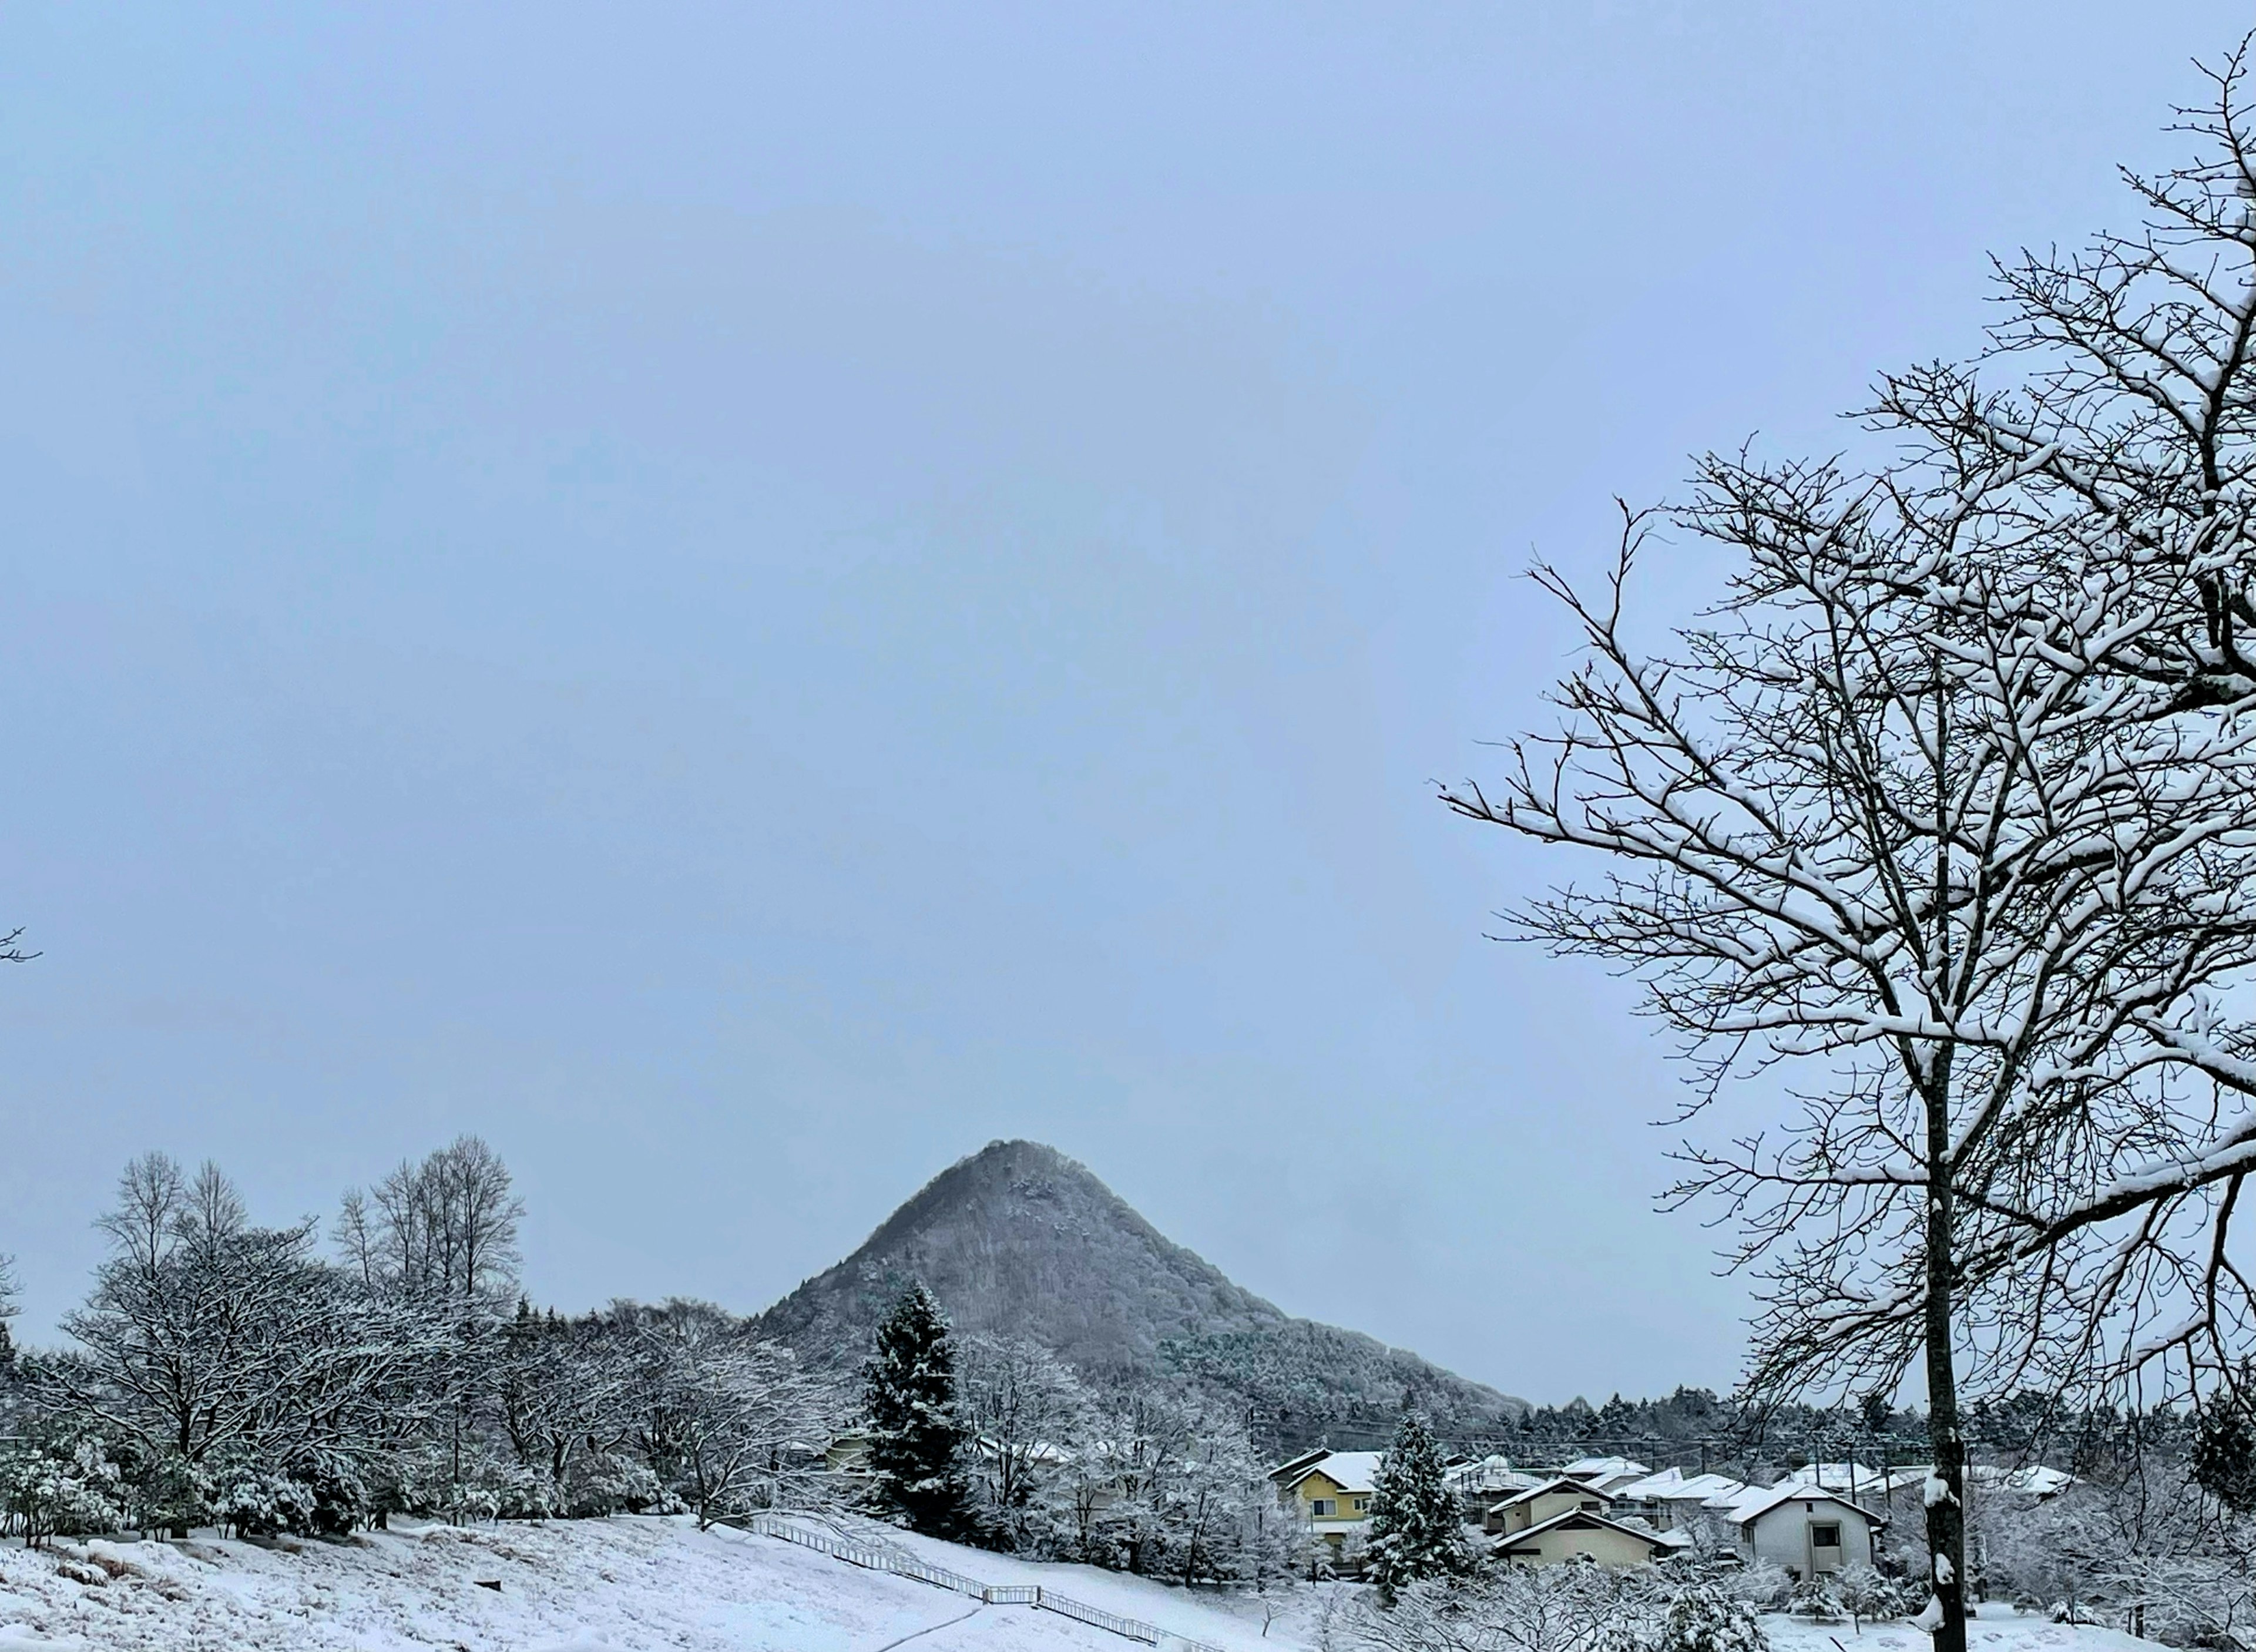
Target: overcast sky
{"type": "Point", "coordinates": [741, 601]}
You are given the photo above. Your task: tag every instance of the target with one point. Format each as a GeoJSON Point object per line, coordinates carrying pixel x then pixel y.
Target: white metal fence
{"type": "Point", "coordinates": [903, 1563]}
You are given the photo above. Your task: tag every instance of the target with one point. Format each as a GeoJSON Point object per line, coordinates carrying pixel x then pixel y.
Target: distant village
{"type": "Point", "coordinates": [1816, 1521]}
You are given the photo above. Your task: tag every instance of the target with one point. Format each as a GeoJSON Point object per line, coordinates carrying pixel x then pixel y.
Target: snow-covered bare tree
{"type": "Point", "coordinates": [2125, 453]}
{"type": "Point", "coordinates": [728, 1420]}
{"type": "Point", "coordinates": [1144, 1439]}
{"type": "Point", "coordinates": [1027, 1415]}
{"type": "Point", "coordinates": [1859, 818]}
{"type": "Point", "coordinates": [439, 1238]}
{"type": "Point", "coordinates": [1215, 1506]}
{"type": "Point", "coordinates": [566, 1392]}
{"type": "Point", "coordinates": [197, 1318]}
{"type": "Point", "coordinates": [231, 1372]}
{"type": "Point", "coordinates": [8, 1310]}
{"type": "Point", "coordinates": [444, 1228]}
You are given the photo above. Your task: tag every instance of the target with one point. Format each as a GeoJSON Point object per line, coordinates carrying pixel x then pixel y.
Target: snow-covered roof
{"type": "Point", "coordinates": [1658, 1484]}
{"type": "Point", "coordinates": [1350, 1471]}
{"type": "Point", "coordinates": [1759, 1501]}
{"type": "Point", "coordinates": [1582, 1487]}
{"type": "Point", "coordinates": [1854, 1478]}
{"type": "Point", "coordinates": [1674, 1486]}
{"type": "Point", "coordinates": [2035, 1480]}
{"type": "Point", "coordinates": [1489, 1474]}
{"type": "Point", "coordinates": [1896, 1479]}
{"type": "Point", "coordinates": [1605, 1468]}
{"type": "Point", "coordinates": [1504, 1542]}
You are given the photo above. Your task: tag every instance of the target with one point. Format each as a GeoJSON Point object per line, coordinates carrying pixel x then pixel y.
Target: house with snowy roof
{"type": "Point", "coordinates": [1583, 1534]}
{"type": "Point", "coordinates": [1808, 1530]}
{"type": "Point", "coordinates": [1331, 1491]}
{"type": "Point", "coordinates": [1544, 1502]}
{"type": "Point", "coordinates": [1481, 1483]}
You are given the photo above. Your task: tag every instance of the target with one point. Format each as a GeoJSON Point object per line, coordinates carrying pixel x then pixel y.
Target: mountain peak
{"type": "Point", "coordinates": [1017, 1240]}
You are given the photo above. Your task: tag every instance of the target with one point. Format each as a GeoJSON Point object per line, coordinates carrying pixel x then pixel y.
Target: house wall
{"type": "Point", "coordinates": [1782, 1535]}
{"type": "Point", "coordinates": [1321, 1485]}
{"type": "Point", "coordinates": [1607, 1546]}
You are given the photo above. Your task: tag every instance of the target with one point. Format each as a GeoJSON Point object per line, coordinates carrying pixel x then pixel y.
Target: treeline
{"type": "Point", "coordinates": [229, 1374]}
{"type": "Point", "coordinates": [1693, 1427]}
{"type": "Point", "coordinates": [223, 1374]}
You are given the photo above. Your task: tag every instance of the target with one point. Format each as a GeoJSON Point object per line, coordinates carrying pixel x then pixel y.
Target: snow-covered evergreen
{"type": "Point", "coordinates": [1417, 1529]}
{"type": "Point", "coordinates": [917, 1438]}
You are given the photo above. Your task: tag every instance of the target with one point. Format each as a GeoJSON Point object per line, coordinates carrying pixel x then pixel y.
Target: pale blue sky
{"type": "Point", "coordinates": [743, 600]}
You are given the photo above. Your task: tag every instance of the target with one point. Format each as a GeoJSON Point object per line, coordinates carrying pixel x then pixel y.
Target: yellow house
{"type": "Point", "coordinates": [1331, 1491]}
{"type": "Point", "coordinates": [1577, 1534]}
{"type": "Point", "coordinates": [1541, 1504]}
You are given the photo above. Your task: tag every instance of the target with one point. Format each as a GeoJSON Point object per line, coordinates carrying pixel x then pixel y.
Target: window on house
{"type": "Point", "coordinates": [1825, 1534]}
{"type": "Point", "coordinates": [1591, 1505]}
{"type": "Point", "coordinates": [1321, 1507]}
{"type": "Point", "coordinates": [1362, 1503]}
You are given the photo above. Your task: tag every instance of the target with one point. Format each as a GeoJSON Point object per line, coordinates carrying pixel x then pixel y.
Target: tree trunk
{"type": "Point", "coordinates": [1946, 1514]}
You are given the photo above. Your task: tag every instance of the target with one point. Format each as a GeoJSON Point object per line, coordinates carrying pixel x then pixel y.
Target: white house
{"type": "Point", "coordinates": [1806, 1530]}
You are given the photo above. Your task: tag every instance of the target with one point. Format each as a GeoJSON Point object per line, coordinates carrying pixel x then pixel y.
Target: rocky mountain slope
{"type": "Point", "coordinates": [1018, 1239]}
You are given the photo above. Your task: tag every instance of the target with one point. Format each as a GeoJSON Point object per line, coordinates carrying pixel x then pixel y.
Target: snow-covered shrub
{"type": "Point", "coordinates": [1867, 1594]}
{"type": "Point", "coordinates": [59, 1486]}
{"type": "Point", "coordinates": [610, 1483]}
{"type": "Point", "coordinates": [1704, 1615]}
{"type": "Point", "coordinates": [1568, 1608]}
{"type": "Point", "coordinates": [1813, 1599]}
{"type": "Point", "coordinates": [259, 1502]}
{"type": "Point", "coordinates": [1766, 1585]}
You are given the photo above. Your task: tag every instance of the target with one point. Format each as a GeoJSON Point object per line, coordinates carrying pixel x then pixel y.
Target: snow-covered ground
{"type": "Point", "coordinates": [627, 1585]}
{"type": "Point", "coordinates": [1995, 1628]}
{"type": "Point", "coordinates": [644, 1586]}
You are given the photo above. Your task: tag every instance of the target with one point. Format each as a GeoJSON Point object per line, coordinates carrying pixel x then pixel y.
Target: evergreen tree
{"type": "Point", "coordinates": [2225, 1455]}
{"type": "Point", "coordinates": [1416, 1529]}
{"type": "Point", "coordinates": [916, 1437]}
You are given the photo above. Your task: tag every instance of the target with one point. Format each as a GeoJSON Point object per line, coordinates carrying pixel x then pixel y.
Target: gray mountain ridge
{"type": "Point", "coordinates": [1018, 1239]}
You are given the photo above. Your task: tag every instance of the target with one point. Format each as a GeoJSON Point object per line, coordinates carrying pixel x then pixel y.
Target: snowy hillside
{"type": "Point", "coordinates": [636, 1584]}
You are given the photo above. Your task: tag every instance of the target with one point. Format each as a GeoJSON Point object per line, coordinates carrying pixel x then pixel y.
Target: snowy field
{"type": "Point", "coordinates": [641, 1586]}
{"type": "Point", "coordinates": [624, 1584]}
{"type": "Point", "coordinates": [1999, 1629]}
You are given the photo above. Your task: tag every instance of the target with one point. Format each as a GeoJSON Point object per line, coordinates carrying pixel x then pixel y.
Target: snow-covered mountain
{"type": "Point", "coordinates": [1019, 1239]}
